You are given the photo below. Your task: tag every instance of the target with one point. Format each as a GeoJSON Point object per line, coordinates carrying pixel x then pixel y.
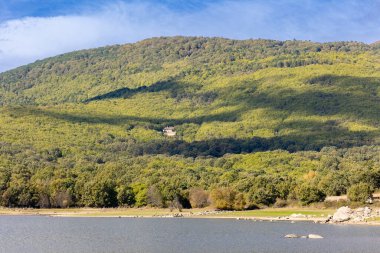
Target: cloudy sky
{"type": "Point", "coordinates": [35, 29]}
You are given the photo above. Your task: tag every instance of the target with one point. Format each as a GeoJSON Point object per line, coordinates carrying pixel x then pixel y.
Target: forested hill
{"type": "Point", "coordinates": [82, 75]}
{"type": "Point", "coordinates": [256, 120]}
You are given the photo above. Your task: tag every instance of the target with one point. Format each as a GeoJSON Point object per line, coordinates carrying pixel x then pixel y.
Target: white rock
{"type": "Point", "coordinates": [367, 211]}
{"type": "Point", "coordinates": [292, 236]}
{"type": "Point", "coordinates": [297, 215]}
{"type": "Point", "coordinates": [314, 236]}
{"type": "Point", "coordinates": [342, 214]}
{"type": "Point", "coordinates": [357, 219]}
{"type": "Point", "coordinates": [360, 209]}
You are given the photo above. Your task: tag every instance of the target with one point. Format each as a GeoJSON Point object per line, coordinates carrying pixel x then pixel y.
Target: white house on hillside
{"type": "Point", "coordinates": [169, 131]}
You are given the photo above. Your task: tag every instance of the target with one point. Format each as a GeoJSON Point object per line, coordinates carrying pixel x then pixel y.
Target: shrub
{"type": "Point", "coordinates": [280, 203]}
{"type": "Point", "coordinates": [360, 192]}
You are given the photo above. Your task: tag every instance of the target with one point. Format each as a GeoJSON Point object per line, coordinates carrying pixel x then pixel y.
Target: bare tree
{"type": "Point", "coordinates": [154, 197]}
{"type": "Point", "coordinates": [198, 198]}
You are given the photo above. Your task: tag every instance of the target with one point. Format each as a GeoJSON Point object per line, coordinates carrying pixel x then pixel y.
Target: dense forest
{"type": "Point", "coordinates": [258, 123]}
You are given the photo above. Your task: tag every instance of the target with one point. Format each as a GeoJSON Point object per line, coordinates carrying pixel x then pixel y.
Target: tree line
{"type": "Point", "coordinates": [232, 182]}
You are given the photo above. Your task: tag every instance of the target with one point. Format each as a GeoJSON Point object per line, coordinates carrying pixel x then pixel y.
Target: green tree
{"type": "Point", "coordinates": [308, 194]}
{"type": "Point", "coordinates": [360, 192]}
{"type": "Point", "coordinates": [223, 198]}
{"type": "Point", "coordinates": [140, 191]}
{"type": "Point", "coordinates": [125, 196]}
{"type": "Point", "coordinates": [100, 194]}
{"type": "Point", "coordinates": [264, 195]}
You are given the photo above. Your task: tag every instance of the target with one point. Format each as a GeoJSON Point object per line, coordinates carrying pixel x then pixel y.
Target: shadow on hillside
{"type": "Point", "coordinates": [307, 135]}
{"type": "Point", "coordinates": [220, 147]}
{"type": "Point", "coordinates": [355, 97]}
{"type": "Point", "coordinates": [153, 123]}
{"type": "Point", "coordinates": [127, 92]}
{"type": "Point", "coordinates": [352, 97]}
{"type": "Point", "coordinates": [367, 83]}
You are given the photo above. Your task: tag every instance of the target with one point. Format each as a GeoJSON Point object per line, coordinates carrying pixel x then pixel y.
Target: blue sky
{"type": "Point", "coordinates": [44, 8]}
{"type": "Point", "coordinates": [35, 29]}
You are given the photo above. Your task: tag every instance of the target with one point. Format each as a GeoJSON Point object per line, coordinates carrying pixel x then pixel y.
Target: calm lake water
{"type": "Point", "coordinates": [30, 234]}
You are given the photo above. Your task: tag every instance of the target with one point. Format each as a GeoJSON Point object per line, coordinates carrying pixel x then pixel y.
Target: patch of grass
{"type": "Point", "coordinates": [281, 212]}
{"type": "Point", "coordinates": [149, 212]}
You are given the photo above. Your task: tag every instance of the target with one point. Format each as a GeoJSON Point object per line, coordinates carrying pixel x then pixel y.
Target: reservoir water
{"type": "Point", "coordinates": [38, 234]}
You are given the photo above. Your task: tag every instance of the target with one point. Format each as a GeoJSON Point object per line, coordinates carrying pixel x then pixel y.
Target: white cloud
{"type": "Point", "coordinates": [28, 39]}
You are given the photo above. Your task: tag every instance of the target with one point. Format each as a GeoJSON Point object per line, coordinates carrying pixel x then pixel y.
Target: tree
{"type": "Point", "coordinates": [308, 194]}
{"type": "Point", "coordinates": [175, 204]}
{"type": "Point", "coordinates": [20, 191]}
{"type": "Point", "coordinates": [239, 203]}
{"type": "Point", "coordinates": [62, 199]}
{"type": "Point", "coordinates": [264, 195]}
{"type": "Point", "coordinates": [61, 190]}
{"type": "Point", "coordinates": [100, 194]}
{"type": "Point", "coordinates": [154, 197]}
{"type": "Point", "coordinates": [360, 192]}
{"type": "Point", "coordinates": [198, 198]}
{"type": "Point", "coordinates": [223, 198]}
{"type": "Point", "coordinates": [140, 191]}
{"type": "Point", "coordinates": [334, 184]}
{"type": "Point", "coordinates": [125, 196]}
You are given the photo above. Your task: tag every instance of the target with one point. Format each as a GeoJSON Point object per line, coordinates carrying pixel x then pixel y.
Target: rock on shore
{"type": "Point", "coordinates": [347, 214]}
{"type": "Point", "coordinates": [310, 236]}
{"type": "Point", "coordinates": [314, 236]}
{"type": "Point", "coordinates": [292, 236]}
{"type": "Point", "coordinates": [342, 214]}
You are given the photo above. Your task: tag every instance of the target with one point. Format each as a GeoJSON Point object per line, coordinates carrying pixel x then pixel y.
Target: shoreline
{"type": "Point", "coordinates": [292, 215]}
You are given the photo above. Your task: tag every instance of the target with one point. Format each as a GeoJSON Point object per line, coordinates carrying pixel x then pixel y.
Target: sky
{"type": "Point", "coordinates": [36, 29]}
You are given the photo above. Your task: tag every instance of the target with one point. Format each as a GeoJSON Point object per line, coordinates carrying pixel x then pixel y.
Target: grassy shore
{"type": "Point", "coordinates": [269, 214]}
{"type": "Point", "coordinates": [155, 212]}
{"type": "Point", "coordinates": [89, 212]}
{"type": "Point", "coordinates": [279, 212]}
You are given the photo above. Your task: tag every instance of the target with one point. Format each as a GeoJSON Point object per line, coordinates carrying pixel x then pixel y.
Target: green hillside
{"type": "Point", "coordinates": [258, 120]}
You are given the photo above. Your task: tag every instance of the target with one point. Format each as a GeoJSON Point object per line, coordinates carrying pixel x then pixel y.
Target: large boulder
{"type": "Point", "coordinates": [358, 215]}
{"type": "Point", "coordinates": [342, 214]}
